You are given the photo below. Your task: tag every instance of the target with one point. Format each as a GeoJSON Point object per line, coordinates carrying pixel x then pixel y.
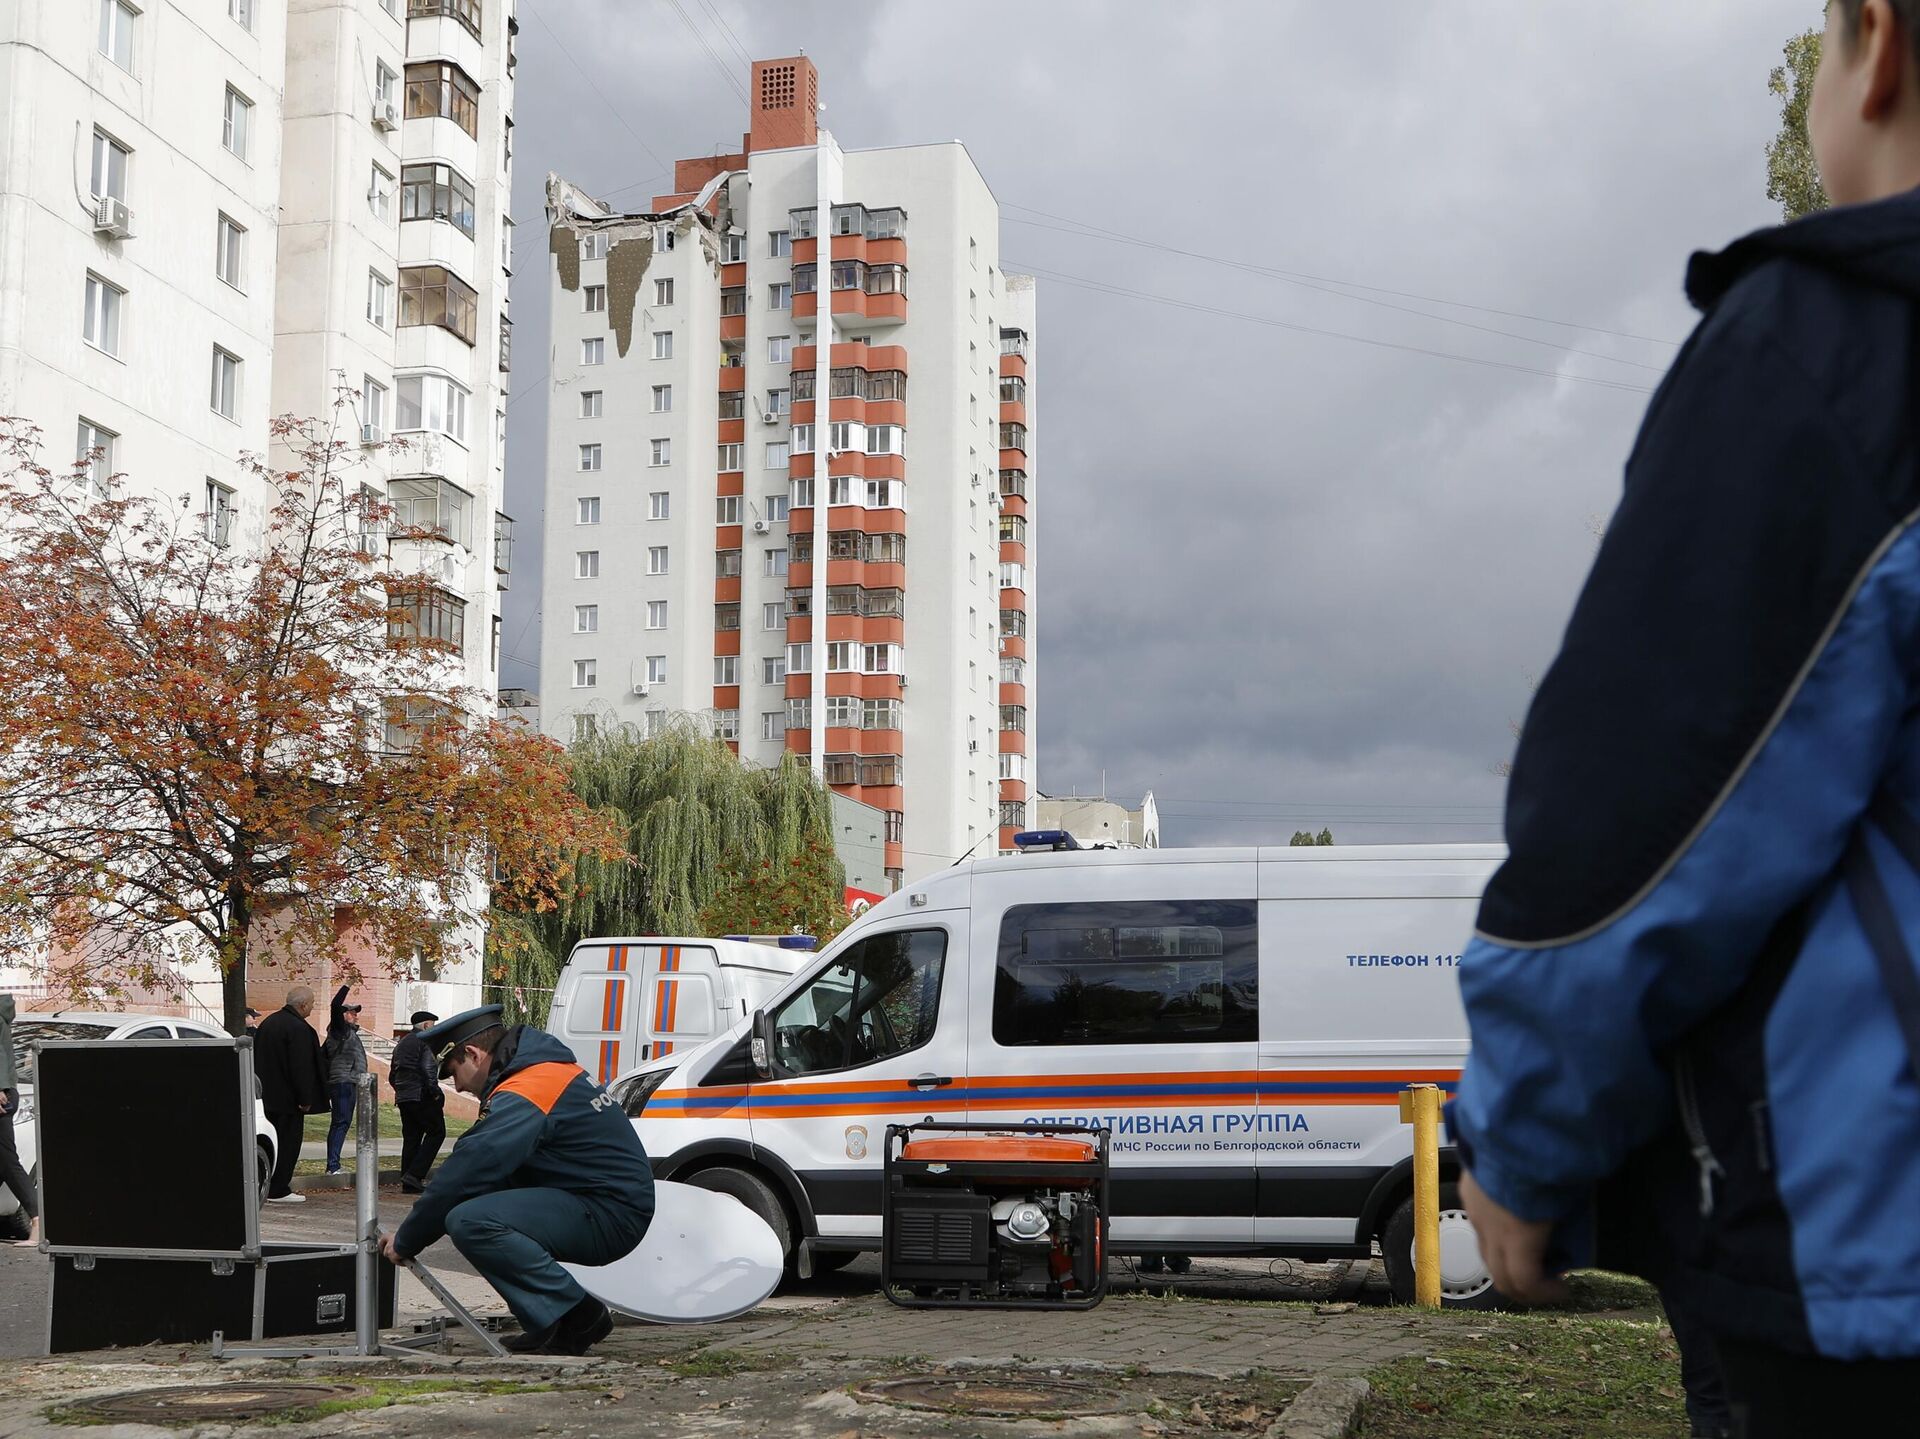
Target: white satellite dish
{"type": "Point", "coordinates": [706, 1257]}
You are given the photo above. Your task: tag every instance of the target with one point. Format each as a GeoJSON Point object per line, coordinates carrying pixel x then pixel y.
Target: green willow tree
{"type": "Point", "coordinates": [1793, 179]}
{"type": "Point", "coordinates": [1308, 837]}
{"type": "Point", "coordinates": [693, 817]}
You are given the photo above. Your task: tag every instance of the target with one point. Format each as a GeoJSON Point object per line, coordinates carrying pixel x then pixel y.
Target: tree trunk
{"type": "Point", "coordinates": [233, 978]}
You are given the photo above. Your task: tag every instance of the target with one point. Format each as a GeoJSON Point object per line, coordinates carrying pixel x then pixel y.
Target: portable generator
{"type": "Point", "coordinates": [980, 1216]}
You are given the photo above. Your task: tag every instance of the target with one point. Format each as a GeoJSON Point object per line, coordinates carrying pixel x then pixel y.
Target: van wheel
{"type": "Point", "coordinates": [754, 1192]}
{"type": "Point", "coordinates": [1464, 1280]}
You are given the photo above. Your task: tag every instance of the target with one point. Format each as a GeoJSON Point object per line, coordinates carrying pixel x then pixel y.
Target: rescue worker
{"type": "Point", "coordinates": [552, 1171]}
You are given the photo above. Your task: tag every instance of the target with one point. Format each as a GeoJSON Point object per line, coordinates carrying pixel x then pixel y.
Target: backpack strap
{"type": "Point", "coordinates": [1878, 920]}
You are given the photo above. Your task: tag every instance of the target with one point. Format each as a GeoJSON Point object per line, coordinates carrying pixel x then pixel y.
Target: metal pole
{"type": "Point", "coordinates": [1420, 1106]}
{"type": "Point", "coordinates": [366, 1190]}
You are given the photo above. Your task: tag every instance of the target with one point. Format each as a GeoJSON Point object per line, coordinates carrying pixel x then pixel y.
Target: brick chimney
{"type": "Point", "coordinates": [786, 103]}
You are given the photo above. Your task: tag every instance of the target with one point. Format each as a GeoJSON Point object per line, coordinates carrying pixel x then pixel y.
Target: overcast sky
{"type": "Point", "coordinates": [1286, 579]}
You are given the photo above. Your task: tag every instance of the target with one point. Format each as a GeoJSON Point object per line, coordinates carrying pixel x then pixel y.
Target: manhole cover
{"type": "Point", "coordinates": [182, 1403]}
{"type": "Point", "coordinates": [1003, 1398]}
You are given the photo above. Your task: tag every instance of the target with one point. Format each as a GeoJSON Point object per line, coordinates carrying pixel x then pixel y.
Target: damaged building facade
{"type": "Point", "coordinates": [808, 524]}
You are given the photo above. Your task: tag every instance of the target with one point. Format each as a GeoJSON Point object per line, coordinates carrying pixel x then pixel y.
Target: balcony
{"type": "Point", "coordinates": [1015, 342]}
{"type": "Point", "coordinates": [502, 549]}
{"type": "Point", "coordinates": [467, 12]}
{"type": "Point", "coordinates": [431, 509]}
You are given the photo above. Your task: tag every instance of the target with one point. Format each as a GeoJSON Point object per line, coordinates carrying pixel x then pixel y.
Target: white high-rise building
{"type": "Point", "coordinates": [216, 211]}
{"type": "Point", "coordinates": [835, 584]}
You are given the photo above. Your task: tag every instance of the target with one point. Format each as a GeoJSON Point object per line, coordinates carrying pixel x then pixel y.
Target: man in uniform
{"type": "Point", "coordinates": [552, 1171]}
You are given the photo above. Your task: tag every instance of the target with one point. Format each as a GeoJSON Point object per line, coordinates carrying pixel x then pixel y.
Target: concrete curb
{"type": "Point", "coordinates": [1325, 1409]}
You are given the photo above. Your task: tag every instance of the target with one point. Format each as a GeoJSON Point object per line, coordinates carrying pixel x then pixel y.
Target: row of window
{"type": "Point", "coordinates": [889, 279]}
{"type": "Point", "coordinates": [884, 548]}
{"type": "Point", "coordinates": [847, 382]}
{"type": "Point", "coordinates": [660, 505]}
{"type": "Point", "coordinates": [886, 223]}
{"type": "Point", "coordinates": [879, 603]}
{"type": "Point", "coordinates": [849, 657]}
{"type": "Point", "coordinates": [852, 490]}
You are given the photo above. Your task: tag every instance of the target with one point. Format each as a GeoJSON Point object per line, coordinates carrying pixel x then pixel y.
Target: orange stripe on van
{"type": "Point", "coordinates": [541, 1085]}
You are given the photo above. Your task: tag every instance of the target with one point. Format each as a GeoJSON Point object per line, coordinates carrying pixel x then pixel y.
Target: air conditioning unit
{"type": "Point", "coordinates": [760, 527]}
{"type": "Point", "coordinates": [770, 417]}
{"type": "Point", "coordinates": [372, 435]}
{"type": "Point", "coordinates": [112, 217]}
{"type": "Point", "coordinates": [386, 115]}
{"type": "Point", "coordinates": [640, 687]}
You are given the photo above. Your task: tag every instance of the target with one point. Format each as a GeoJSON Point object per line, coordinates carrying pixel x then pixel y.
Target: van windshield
{"type": "Point", "coordinates": [880, 999]}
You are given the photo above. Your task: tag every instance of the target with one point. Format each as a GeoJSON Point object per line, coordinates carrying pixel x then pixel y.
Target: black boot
{"type": "Point", "coordinates": [583, 1326]}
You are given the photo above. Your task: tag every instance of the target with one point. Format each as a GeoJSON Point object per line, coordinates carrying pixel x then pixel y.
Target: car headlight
{"type": "Point", "coordinates": [632, 1094]}
{"type": "Point", "coordinates": [24, 1113]}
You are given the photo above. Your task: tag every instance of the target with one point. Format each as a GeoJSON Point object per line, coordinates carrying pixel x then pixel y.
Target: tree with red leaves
{"type": "Point", "coordinates": [221, 749]}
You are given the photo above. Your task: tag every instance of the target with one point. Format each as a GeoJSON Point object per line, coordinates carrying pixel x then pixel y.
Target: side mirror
{"type": "Point", "coordinates": [762, 1046]}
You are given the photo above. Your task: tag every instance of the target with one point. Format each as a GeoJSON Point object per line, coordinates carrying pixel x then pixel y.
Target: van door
{"type": "Point", "coordinates": [593, 1007]}
{"type": "Point", "coordinates": [876, 1037]}
{"type": "Point", "coordinates": [680, 1006]}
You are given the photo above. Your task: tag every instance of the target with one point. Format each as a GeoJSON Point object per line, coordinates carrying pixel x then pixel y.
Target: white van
{"type": "Point", "coordinates": [623, 1001]}
{"type": "Point", "coordinates": [1242, 1020]}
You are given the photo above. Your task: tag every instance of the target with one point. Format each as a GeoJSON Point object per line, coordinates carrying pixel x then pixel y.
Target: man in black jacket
{"type": "Point", "coordinates": [286, 1061]}
{"type": "Point", "coordinates": [416, 1089]}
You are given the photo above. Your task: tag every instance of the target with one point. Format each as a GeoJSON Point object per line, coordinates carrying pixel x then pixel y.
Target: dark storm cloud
{"type": "Point", "coordinates": [1284, 578]}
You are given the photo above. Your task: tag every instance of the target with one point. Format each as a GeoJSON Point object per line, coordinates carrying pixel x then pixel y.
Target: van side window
{"type": "Point", "coordinates": [880, 999]}
{"type": "Point", "coordinates": [1128, 972]}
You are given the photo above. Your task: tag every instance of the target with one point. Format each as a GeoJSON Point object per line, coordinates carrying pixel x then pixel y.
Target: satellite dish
{"type": "Point", "coordinates": [706, 1257]}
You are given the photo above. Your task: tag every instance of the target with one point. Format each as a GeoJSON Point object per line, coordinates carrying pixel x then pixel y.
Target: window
{"type": "Point", "coordinates": [727, 564]}
{"type": "Point", "coordinates": [656, 723]}
{"type": "Point", "coordinates": [733, 249]}
{"type": "Point", "coordinates": [96, 447]}
{"type": "Point", "coordinates": [109, 166]}
{"type": "Point", "coordinates": [506, 344]}
{"type": "Point", "coordinates": [879, 714]}
{"type": "Point", "coordinates": [1014, 717]}
{"type": "Point", "coordinates": [220, 500]}
{"type": "Point", "coordinates": [887, 280]}
{"type": "Point", "coordinates": [1013, 814]}
{"type": "Point", "coordinates": [1013, 670]}
{"type": "Point", "coordinates": [881, 998]}
{"type": "Point", "coordinates": [733, 301]}
{"type": "Point", "coordinates": [733, 457]}
{"type": "Point", "coordinates": [656, 669]}
{"type": "Point", "coordinates": [800, 491]}
{"type": "Point", "coordinates": [373, 403]}
{"type": "Point", "coordinates": [884, 495]}
{"type": "Point", "coordinates": [1013, 576]}
{"type": "Point", "coordinates": [664, 236]}
{"type": "Point", "coordinates": [593, 352]}
{"type": "Point", "coordinates": [886, 439]}
{"type": "Point", "coordinates": [780, 297]}
{"type": "Point", "coordinates": [773, 670]}
{"type": "Point", "coordinates": [660, 453]}
{"type": "Point", "coordinates": [467, 12]}
{"type": "Point", "coordinates": [776, 509]}
{"type": "Point", "coordinates": [663, 344]}
{"type": "Point", "coordinates": [846, 435]}
{"type": "Point", "coordinates": [779, 401]}
{"type": "Point", "coordinates": [779, 349]}
{"type": "Point", "coordinates": [434, 615]}
{"type": "Point", "coordinates": [802, 439]}
{"type": "Point", "coordinates": [659, 504]}
{"type": "Point", "coordinates": [100, 326]}
{"type": "Point", "coordinates": [586, 510]}
{"type": "Point", "coordinates": [589, 457]}
{"type": "Point", "coordinates": [733, 405]}
{"type": "Point", "coordinates": [432, 402]}
{"type": "Point", "coordinates": [973, 304]}
{"type": "Point", "coordinates": [434, 507]}
{"type": "Point", "coordinates": [773, 616]}
{"type": "Point", "coordinates": [586, 674]}
{"type": "Point", "coordinates": [726, 724]}
{"type": "Point", "coordinates": [662, 399]}
{"type": "Point", "coordinates": [779, 243]}
{"type": "Point", "coordinates": [799, 713]}
{"type": "Point", "coordinates": [380, 196]}
{"type": "Point", "coordinates": [726, 669]}
{"type": "Point", "coordinates": [1127, 972]}
{"type": "Point", "coordinates": [726, 510]}
{"type": "Point", "coordinates": [656, 614]}
{"type": "Point", "coordinates": [443, 91]}
{"type": "Point", "coordinates": [887, 385]}
{"type": "Point", "coordinates": [841, 655]}
{"type": "Point", "coordinates": [385, 85]}
{"type": "Point", "coordinates": [225, 396]}
{"type": "Point", "coordinates": [726, 617]}
{"type": "Point", "coordinates": [586, 619]}
{"type": "Point", "coordinates": [590, 404]}
{"type": "Point", "coordinates": [379, 300]}
{"type": "Point", "coordinates": [233, 132]}
{"type": "Point", "coordinates": [586, 564]}
{"type": "Point", "coordinates": [593, 247]}
{"type": "Point", "coordinates": [663, 292]}
{"type": "Point", "coordinates": [594, 299]}
{"type": "Point", "coordinates": [228, 239]}
{"type": "Point", "coordinates": [1013, 765]}
{"type": "Point", "coordinates": [116, 32]}
{"type": "Point", "coordinates": [656, 559]}
{"type": "Point", "coordinates": [840, 489]}
{"type": "Point", "coordinates": [773, 724]}
{"type": "Point", "coordinates": [777, 453]}
{"type": "Point", "coordinates": [774, 561]}
{"type": "Point", "coordinates": [437, 192]}
{"type": "Point", "coordinates": [585, 727]}
{"type": "Point", "coordinates": [434, 295]}
{"type": "Point", "coordinates": [1013, 529]}
{"type": "Point", "coordinates": [1013, 435]}
{"type": "Point", "coordinates": [881, 659]}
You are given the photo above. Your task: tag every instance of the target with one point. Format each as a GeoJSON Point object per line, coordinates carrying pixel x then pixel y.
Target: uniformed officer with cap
{"type": "Point", "coordinates": [552, 1171]}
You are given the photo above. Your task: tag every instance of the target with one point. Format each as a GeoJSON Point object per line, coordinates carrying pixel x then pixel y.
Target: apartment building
{"type": "Point", "coordinates": [216, 211]}
{"type": "Point", "coordinates": [831, 579]}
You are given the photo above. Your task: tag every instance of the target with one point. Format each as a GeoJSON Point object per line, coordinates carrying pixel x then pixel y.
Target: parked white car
{"type": "Point", "coordinates": [32, 1029]}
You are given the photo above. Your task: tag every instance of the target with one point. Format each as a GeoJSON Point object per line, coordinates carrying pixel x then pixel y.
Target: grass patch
{"type": "Point", "coordinates": [1532, 1376]}
{"type": "Point", "coordinates": [388, 1117]}
{"type": "Point", "coordinates": [725, 1363]}
{"type": "Point", "coordinates": [375, 1394]}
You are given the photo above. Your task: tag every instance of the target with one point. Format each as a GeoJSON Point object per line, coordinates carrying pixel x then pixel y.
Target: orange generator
{"type": "Point", "coordinates": [977, 1216]}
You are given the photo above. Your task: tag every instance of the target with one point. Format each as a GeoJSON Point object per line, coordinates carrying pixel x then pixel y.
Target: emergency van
{"type": "Point", "coordinates": [1241, 1021]}
{"type": "Point", "coordinates": [622, 1001]}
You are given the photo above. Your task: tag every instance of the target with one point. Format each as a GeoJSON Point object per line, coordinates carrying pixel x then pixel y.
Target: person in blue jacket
{"type": "Point", "coordinates": [552, 1171]}
{"type": "Point", "coordinates": [1693, 987]}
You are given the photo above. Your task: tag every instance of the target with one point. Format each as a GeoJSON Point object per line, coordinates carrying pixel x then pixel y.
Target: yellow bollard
{"type": "Point", "coordinates": [1420, 1107]}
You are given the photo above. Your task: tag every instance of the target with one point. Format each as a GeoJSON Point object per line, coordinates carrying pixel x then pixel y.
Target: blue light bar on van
{"type": "Point", "coordinates": [797, 941]}
{"type": "Point", "coordinates": [1034, 840]}
{"type": "Point", "coordinates": [779, 941]}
